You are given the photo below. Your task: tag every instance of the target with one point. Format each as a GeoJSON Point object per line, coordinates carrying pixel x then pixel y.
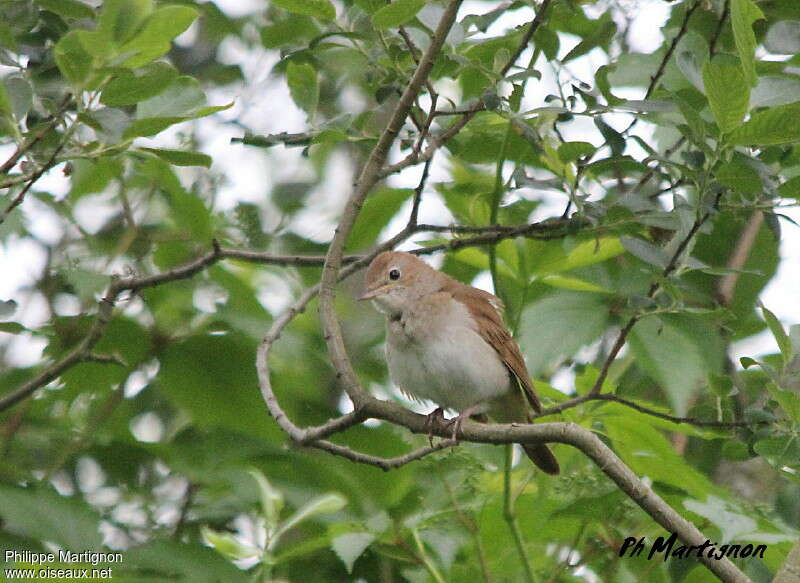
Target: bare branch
{"type": "Point", "coordinates": [50, 126]}
{"type": "Point", "coordinates": [369, 176]}
{"type": "Point", "coordinates": [738, 258]}
{"type": "Point", "coordinates": [436, 142]}
{"type": "Point", "coordinates": [588, 443]}
{"type": "Point", "coordinates": [385, 464]}
{"type": "Point", "coordinates": [654, 287]}
{"type": "Point", "coordinates": [412, 218]}
{"type": "Point", "coordinates": [572, 403]}
{"type": "Point", "coordinates": [75, 356]}
{"type": "Point", "coordinates": [34, 177]}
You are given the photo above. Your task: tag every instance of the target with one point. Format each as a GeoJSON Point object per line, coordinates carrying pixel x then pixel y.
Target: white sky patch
{"type": "Point", "coordinates": [263, 103]}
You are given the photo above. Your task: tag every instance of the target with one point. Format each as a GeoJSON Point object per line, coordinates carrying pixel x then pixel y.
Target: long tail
{"type": "Point", "coordinates": [544, 459]}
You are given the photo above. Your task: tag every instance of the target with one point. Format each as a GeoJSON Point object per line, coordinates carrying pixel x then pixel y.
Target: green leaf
{"type": "Point", "coordinates": [12, 328]}
{"type": "Point", "coordinates": [67, 8]}
{"type": "Point", "coordinates": [645, 251]}
{"type": "Point", "coordinates": [349, 546]}
{"type": "Point", "coordinates": [181, 157]}
{"type": "Point", "coordinates": [379, 208]}
{"type": "Point", "coordinates": [603, 32]}
{"type": "Point", "coordinates": [747, 362]}
{"type": "Point", "coordinates": [783, 37]}
{"type": "Point", "coordinates": [743, 14]}
{"type": "Point", "coordinates": [188, 210]}
{"type": "Point", "coordinates": [780, 451]}
{"type": "Point", "coordinates": [556, 326]}
{"type": "Point", "coordinates": [569, 151]}
{"type": "Point", "coordinates": [732, 525]}
{"type": "Point", "coordinates": [777, 125]}
{"type": "Point", "coordinates": [21, 95]}
{"type": "Point", "coordinates": [90, 176]}
{"type": "Point", "coordinates": [98, 45]}
{"type": "Point", "coordinates": [614, 139]}
{"type": "Point", "coordinates": [324, 504]}
{"type": "Point", "coordinates": [557, 257]}
{"type": "Point", "coordinates": [397, 13]}
{"type": "Point", "coordinates": [155, 37]}
{"type": "Point", "coordinates": [648, 453]}
{"type": "Point", "coordinates": [572, 283]}
{"type": "Point", "coordinates": [210, 378]}
{"type": "Point", "coordinates": [319, 9]}
{"type": "Point", "coordinates": [788, 400]}
{"type": "Point", "coordinates": [120, 19]}
{"type": "Point", "coordinates": [668, 354]}
{"type": "Point", "coordinates": [790, 188]}
{"type": "Point", "coordinates": [779, 334]}
{"type": "Point", "coordinates": [164, 559]}
{"type": "Point", "coordinates": [227, 545]}
{"type": "Point", "coordinates": [181, 101]}
{"type": "Point", "coordinates": [739, 174]}
{"type": "Point", "coordinates": [774, 90]}
{"type": "Point", "coordinates": [7, 308]}
{"type": "Point", "coordinates": [130, 87]}
{"type": "Point", "coordinates": [6, 109]}
{"type": "Point", "coordinates": [72, 59]}
{"type": "Point", "coordinates": [39, 512]}
{"type": "Point", "coordinates": [181, 98]}
{"type": "Point", "coordinates": [303, 85]}
{"type": "Point", "coordinates": [728, 94]}
{"type": "Point", "coordinates": [271, 499]}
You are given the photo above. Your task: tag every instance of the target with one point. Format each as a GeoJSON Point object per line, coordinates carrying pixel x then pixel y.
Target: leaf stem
{"type": "Point", "coordinates": [497, 197]}
{"type": "Point", "coordinates": [510, 516]}
{"type": "Point", "coordinates": [426, 560]}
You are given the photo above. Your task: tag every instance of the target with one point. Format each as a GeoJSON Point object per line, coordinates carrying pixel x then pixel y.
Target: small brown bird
{"type": "Point", "coordinates": [446, 342]}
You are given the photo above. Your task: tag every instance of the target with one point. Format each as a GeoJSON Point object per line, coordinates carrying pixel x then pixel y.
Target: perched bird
{"type": "Point", "coordinates": [446, 342]}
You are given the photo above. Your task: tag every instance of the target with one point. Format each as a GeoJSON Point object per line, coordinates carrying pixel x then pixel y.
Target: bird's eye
{"type": "Point", "coordinates": [394, 274]}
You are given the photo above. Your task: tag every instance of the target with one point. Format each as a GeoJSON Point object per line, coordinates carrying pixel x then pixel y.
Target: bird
{"type": "Point", "coordinates": [446, 342]}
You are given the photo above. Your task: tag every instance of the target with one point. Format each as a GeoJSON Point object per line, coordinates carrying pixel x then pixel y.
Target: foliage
{"type": "Point", "coordinates": [143, 440]}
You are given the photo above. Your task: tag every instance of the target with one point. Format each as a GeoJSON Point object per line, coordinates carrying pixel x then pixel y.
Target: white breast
{"type": "Point", "coordinates": [443, 358]}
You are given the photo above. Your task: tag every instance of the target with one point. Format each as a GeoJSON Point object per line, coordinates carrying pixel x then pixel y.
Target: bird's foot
{"type": "Point", "coordinates": [458, 420]}
{"type": "Point", "coordinates": [432, 418]}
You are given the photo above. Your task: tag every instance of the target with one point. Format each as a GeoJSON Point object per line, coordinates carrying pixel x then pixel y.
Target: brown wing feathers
{"type": "Point", "coordinates": [482, 307]}
{"type": "Point", "coordinates": [494, 331]}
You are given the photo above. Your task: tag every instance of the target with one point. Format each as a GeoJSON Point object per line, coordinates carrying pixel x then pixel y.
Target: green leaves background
{"type": "Point", "coordinates": [131, 147]}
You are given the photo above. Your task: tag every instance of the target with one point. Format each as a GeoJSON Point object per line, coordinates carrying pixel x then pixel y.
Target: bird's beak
{"type": "Point", "coordinates": [372, 293]}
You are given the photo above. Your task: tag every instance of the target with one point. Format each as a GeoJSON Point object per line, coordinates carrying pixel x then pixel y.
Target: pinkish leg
{"type": "Point", "coordinates": [433, 417]}
{"type": "Point", "coordinates": [458, 420]}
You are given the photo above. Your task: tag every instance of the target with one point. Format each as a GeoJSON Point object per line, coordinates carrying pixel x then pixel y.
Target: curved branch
{"type": "Point", "coordinates": [370, 174]}
{"type": "Point", "coordinates": [582, 439]}
{"type": "Point", "coordinates": [436, 142]}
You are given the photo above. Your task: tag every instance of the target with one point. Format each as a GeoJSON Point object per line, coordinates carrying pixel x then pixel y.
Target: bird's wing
{"type": "Point", "coordinates": [486, 309]}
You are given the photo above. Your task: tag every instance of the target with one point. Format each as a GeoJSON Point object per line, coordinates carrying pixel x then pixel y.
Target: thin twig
{"type": "Point", "coordinates": [651, 293]}
{"type": "Point", "coordinates": [571, 403]}
{"type": "Point", "coordinates": [413, 217]}
{"type": "Point", "coordinates": [739, 256]}
{"type": "Point", "coordinates": [437, 142]}
{"type": "Point", "coordinates": [510, 518]}
{"type": "Point", "coordinates": [34, 178]}
{"type": "Point", "coordinates": [369, 176]}
{"type": "Point", "coordinates": [24, 148]}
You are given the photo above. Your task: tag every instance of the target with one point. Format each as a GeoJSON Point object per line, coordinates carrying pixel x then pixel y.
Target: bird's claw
{"type": "Point", "coordinates": [433, 417]}
{"type": "Point", "coordinates": [458, 421]}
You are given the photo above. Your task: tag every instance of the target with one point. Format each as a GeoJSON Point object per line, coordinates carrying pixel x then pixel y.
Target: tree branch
{"type": "Point", "coordinates": [50, 126]}
{"type": "Point", "coordinates": [654, 287]}
{"type": "Point", "coordinates": [369, 176]}
{"type": "Point", "coordinates": [582, 439]}
{"type": "Point", "coordinates": [436, 142]}
{"type": "Point", "coordinates": [572, 403]}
